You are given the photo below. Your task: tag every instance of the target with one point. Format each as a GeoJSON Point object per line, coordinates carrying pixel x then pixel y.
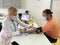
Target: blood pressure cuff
{"type": "Point", "coordinates": [39, 30]}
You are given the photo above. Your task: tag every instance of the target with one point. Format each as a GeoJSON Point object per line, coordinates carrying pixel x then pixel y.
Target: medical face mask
{"type": "Point", "coordinates": [14, 18]}
{"type": "Point", "coordinates": [44, 18]}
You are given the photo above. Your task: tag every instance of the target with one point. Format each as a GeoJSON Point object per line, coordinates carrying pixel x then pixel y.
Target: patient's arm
{"type": "Point", "coordinates": [35, 30]}
{"type": "Point", "coordinates": [32, 31]}
{"type": "Point", "coordinates": [22, 30]}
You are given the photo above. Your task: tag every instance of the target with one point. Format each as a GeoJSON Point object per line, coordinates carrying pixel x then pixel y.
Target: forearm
{"type": "Point", "coordinates": [22, 24]}
{"type": "Point", "coordinates": [30, 31]}
{"type": "Point", "coordinates": [35, 30]}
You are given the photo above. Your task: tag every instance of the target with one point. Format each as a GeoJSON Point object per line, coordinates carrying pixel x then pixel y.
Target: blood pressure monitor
{"type": "Point", "coordinates": [25, 17]}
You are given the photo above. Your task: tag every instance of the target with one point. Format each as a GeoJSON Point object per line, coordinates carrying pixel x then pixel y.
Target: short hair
{"type": "Point", "coordinates": [48, 11]}
{"type": "Point", "coordinates": [12, 9]}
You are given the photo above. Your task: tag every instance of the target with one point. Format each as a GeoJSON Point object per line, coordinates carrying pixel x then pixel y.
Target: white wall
{"type": "Point", "coordinates": [36, 7]}
{"type": "Point", "coordinates": [23, 4]}
{"type": "Point", "coordinates": [8, 3]}
{"type": "Point", "coordinates": [56, 9]}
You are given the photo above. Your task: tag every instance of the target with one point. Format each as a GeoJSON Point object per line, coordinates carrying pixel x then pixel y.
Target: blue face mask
{"type": "Point", "coordinates": [14, 18]}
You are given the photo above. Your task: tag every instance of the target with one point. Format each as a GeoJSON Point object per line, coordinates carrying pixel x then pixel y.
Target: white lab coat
{"type": "Point", "coordinates": [8, 31]}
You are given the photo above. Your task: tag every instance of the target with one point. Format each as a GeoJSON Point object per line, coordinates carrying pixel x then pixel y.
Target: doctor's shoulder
{"type": "Point", "coordinates": [5, 20]}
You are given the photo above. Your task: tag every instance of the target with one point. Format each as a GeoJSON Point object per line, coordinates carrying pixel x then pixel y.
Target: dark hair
{"type": "Point", "coordinates": [48, 11]}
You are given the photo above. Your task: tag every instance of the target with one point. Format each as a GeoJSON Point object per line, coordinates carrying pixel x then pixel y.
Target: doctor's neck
{"type": "Point", "coordinates": [10, 17]}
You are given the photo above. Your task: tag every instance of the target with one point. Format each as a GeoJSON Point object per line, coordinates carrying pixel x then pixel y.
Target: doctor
{"type": "Point", "coordinates": [9, 27]}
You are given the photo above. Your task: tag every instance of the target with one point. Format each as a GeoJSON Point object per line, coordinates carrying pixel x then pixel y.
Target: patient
{"type": "Point", "coordinates": [50, 29]}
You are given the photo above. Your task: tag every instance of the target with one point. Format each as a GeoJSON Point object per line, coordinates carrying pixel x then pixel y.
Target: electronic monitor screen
{"type": "Point", "coordinates": [25, 17]}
